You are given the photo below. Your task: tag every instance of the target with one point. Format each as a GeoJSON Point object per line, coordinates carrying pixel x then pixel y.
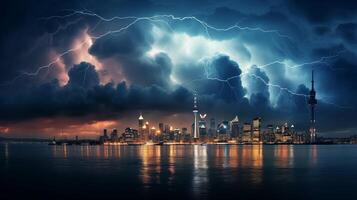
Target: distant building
{"type": "Point", "coordinates": [186, 135]}
{"type": "Point", "coordinates": [235, 127]}
{"type": "Point", "coordinates": [212, 128]}
{"type": "Point", "coordinates": [145, 132]}
{"type": "Point", "coordinates": [114, 135]}
{"type": "Point", "coordinates": [256, 135]}
{"type": "Point", "coordinates": [247, 133]}
{"type": "Point", "coordinates": [130, 135]}
{"type": "Point", "coordinates": [202, 128]}
{"type": "Point", "coordinates": [278, 135]}
{"type": "Point", "coordinates": [140, 124]}
{"type": "Point", "coordinates": [161, 128]}
{"type": "Point", "coordinates": [223, 131]}
{"type": "Point", "coordinates": [268, 136]}
{"type": "Point", "coordinates": [104, 138]}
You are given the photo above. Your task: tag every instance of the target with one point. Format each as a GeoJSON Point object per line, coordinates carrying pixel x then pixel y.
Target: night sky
{"type": "Point", "coordinates": [77, 67]}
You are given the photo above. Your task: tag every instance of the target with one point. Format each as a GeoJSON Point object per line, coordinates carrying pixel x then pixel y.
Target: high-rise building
{"type": "Point", "coordinates": [145, 131]}
{"type": "Point", "coordinates": [202, 126]}
{"type": "Point", "coordinates": [129, 134]}
{"type": "Point", "coordinates": [269, 136]}
{"type": "Point", "coordinates": [235, 127]}
{"type": "Point", "coordinates": [140, 125]}
{"type": "Point", "coordinates": [152, 133]}
{"type": "Point", "coordinates": [114, 135]}
{"type": "Point", "coordinates": [257, 122]}
{"type": "Point", "coordinates": [312, 103]}
{"type": "Point", "coordinates": [161, 128]}
{"type": "Point", "coordinates": [247, 133]}
{"type": "Point", "coordinates": [195, 111]}
{"type": "Point", "coordinates": [186, 135]}
{"type": "Point", "coordinates": [212, 128]}
{"type": "Point", "coordinates": [223, 131]}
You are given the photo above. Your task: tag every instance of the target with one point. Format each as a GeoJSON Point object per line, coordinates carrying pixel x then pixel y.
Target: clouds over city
{"type": "Point", "coordinates": [245, 59]}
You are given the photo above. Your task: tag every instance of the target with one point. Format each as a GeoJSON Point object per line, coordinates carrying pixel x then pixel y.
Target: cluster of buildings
{"type": "Point", "coordinates": [233, 132]}
{"type": "Point", "coordinates": [206, 131]}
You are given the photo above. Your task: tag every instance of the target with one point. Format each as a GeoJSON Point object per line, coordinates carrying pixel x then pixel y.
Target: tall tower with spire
{"type": "Point", "coordinates": [141, 124]}
{"type": "Point", "coordinates": [312, 103]}
{"type": "Point", "coordinates": [195, 112]}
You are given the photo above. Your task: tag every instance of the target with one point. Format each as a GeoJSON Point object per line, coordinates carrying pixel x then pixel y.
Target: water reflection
{"type": "Point", "coordinates": [172, 163]}
{"type": "Point", "coordinates": [6, 151]}
{"type": "Point", "coordinates": [284, 156]}
{"type": "Point", "coordinates": [313, 155]}
{"type": "Point", "coordinates": [252, 160]}
{"type": "Point", "coordinates": [200, 167]}
{"type": "Point", "coordinates": [163, 164]}
{"type": "Point", "coordinates": [151, 164]}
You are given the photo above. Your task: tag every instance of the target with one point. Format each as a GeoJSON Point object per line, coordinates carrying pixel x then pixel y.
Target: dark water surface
{"type": "Point", "coordinates": [39, 171]}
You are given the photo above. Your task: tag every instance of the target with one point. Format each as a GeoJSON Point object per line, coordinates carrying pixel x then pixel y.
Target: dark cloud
{"type": "Point", "coordinates": [322, 30]}
{"type": "Point", "coordinates": [86, 97]}
{"type": "Point", "coordinates": [348, 31]}
{"type": "Point", "coordinates": [259, 90]}
{"type": "Point", "coordinates": [83, 75]}
{"type": "Point", "coordinates": [322, 11]}
{"type": "Point", "coordinates": [223, 81]}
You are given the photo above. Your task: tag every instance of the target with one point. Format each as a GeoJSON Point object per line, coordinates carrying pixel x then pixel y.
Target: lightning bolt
{"type": "Point", "coordinates": [166, 19]}
{"type": "Point", "coordinates": [204, 24]}
{"type": "Point", "coordinates": [322, 60]}
{"type": "Point", "coordinates": [279, 87]}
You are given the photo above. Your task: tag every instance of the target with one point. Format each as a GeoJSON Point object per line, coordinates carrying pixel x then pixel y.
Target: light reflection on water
{"type": "Point", "coordinates": [195, 170]}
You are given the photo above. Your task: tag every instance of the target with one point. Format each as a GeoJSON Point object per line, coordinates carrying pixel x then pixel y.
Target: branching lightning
{"type": "Point", "coordinates": [166, 19]}
{"type": "Point", "coordinates": [322, 60]}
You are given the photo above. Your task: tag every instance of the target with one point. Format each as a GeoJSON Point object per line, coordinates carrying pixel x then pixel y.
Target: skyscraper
{"type": "Point", "coordinates": [235, 127]}
{"type": "Point", "coordinates": [195, 125]}
{"type": "Point", "coordinates": [256, 129]}
{"type": "Point", "coordinates": [312, 103]}
{"type": "Point", "coordinates": [202, 127]}
{"type": "Point", "coordinates": [212, 128]}
{"type": "Point", "coordinates": [223, 131]}
{"type": "Point", "coordinates": [141, 124]}
{"type": "Point", "coordinates": [161, 128]}
{"type": "Point", "coordinates": [247, 133]}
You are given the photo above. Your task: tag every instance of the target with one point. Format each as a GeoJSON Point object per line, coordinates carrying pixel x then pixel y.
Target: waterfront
{"type": "Point", "coordinates": [178, 171]}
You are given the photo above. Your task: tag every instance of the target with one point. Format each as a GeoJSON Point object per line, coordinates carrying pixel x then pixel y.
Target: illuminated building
{"type": "Point", "coordinates": [223, 131]}
{"type": "Point", "coordinates": [105, 134]}
{"type": "Point", "coordinates": [186, 135]}
{"type": "Point", "coordinates": [152, 133]}
{"type": "Point", "coordinates": [141, 124]}
{"type": "Point", "coordinates": [278, 135]}
{"type": "Point", "coordinates": [103, 138]}
{"type": "Point", "coordinates": [161, 127]}
{"type": "Point", "coordinates": [202, 127]}
{"type": "Point", "coordinates": [212, 128]}
{"type": "Point", "coordinates": [195, 125]}
{"type": "Point", "coordinates": [312, 102]}
{"type": "Point", "coordinates": [257, 122]}
{"type": "Point", "coordinates": [268, 135]}
{"type": "Point", "coordinates": [166, 134]}
{"type": "Point", "coordinates": [145, 131]}
{"type": "Point", "coordinates": [177, 135]}
{"type": "Point", "coordinates": [235, 127]}
{"type": "Point", "coordinates": [114, 135]}
{"type": "Point", "coordinates": [247, 133]}
{"type": "Point", "coordinates": [130, 135]}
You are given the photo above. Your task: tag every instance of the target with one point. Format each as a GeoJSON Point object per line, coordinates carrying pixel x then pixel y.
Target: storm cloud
{"type": "Point", "coordinates": [56, 62]}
